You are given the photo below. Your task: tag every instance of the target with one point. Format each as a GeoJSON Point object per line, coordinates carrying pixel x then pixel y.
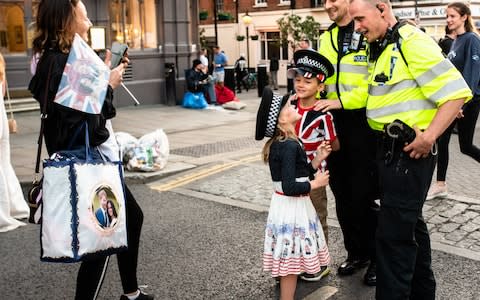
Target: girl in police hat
{"type": "Point", "coordinates": [294, 239]}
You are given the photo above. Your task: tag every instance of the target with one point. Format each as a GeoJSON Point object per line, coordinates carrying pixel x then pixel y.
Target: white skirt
{"type": "Point", "coordinates": [294, 239]}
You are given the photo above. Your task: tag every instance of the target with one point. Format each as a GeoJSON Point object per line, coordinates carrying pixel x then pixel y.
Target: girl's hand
{"type": "Point", "coordinates": [324, 150]}
{"type": "Point", "coordinates": [292, 98]}
{"type": "Point", "coordinates": [321, 179]}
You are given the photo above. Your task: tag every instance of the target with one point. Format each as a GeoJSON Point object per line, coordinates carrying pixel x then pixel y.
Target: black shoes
{"type": "Point", "coordinates": [370, 277]}
{"type": "Point", "coordinates": [142, 296]}
{"type": "Point", "coordinates": [349, 266]}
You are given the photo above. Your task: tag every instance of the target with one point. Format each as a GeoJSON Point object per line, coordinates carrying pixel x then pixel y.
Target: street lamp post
{"type": "Point", "coordinates": [247, 20]}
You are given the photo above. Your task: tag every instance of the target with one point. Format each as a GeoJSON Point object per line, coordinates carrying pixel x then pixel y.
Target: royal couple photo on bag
{"type": "Point", "coordinates": [105, 207]}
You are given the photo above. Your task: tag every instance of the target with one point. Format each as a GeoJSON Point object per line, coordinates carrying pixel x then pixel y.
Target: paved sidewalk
{"type": "Point", "coordinates": [210, 125]}
{"type": "Point", "coordinates": [203, 137]}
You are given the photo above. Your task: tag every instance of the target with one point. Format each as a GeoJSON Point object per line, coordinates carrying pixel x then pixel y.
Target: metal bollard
{"type": "Point", "coordinates": [262, 79]}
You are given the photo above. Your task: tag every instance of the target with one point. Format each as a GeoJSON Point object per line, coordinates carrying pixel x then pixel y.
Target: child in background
{"type": "Point", "coordinates": [311, 70]}
{"type": "Point", "coordinates": [294, 239]}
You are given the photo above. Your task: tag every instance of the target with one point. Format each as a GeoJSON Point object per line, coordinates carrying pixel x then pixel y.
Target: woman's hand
{"type": "Point", "coordinates": [116, 74]}
{"type": "Point", "coordinates": [321, 179]}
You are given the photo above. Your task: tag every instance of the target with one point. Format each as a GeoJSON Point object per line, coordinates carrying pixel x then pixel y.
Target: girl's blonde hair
{"type": "Point", "coordinates": [281, 135]}
{"type": "Point", "coordinates": [2, 68]}
{"type": "Point", "coordinates": [55, 19]}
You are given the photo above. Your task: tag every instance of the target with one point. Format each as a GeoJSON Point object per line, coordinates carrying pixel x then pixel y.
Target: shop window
{"type": "Point", "coordinates": [134, 23]}
{"type": "Point", "coordinates": [220, 5]}
{"type": "Point", "coordinates": [12, 28]}
{"type": "Point", "coordinates": [270, 46]}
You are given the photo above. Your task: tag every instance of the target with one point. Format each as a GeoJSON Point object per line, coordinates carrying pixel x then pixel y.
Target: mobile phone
{"type": "Point", "coordinates": [118, 52]}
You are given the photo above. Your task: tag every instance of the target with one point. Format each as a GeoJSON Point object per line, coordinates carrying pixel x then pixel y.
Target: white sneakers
{"type": "Point", "coordinates": [437, 191]}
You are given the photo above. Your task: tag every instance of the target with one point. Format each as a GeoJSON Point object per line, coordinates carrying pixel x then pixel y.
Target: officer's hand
{"type": "Point", "coordinates": [326, 105]}
{"type": "Point", "coordinates": [460, 114]}
{"type": "Point", "coordinates": [421, 145]}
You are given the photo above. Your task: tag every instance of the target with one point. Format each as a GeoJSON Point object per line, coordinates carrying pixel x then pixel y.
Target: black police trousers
{"type": "Point", "coordinates": [92, 272]}
{"type": "Point", "coordinates": [404, 268]}
{"type": "Point", "coordinates": [354, 182]}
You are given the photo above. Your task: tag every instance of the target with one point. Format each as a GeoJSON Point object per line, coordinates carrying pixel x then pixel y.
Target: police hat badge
{"type": "Point", "coordinates": [311, 64]}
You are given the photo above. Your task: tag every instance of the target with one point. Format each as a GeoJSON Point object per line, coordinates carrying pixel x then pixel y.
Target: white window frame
{"type": "Point", "coordinates": [260, 3]}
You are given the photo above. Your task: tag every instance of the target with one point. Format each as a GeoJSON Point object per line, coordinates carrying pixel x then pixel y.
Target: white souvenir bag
{"type": "Point", "coordinates": [83, 211]}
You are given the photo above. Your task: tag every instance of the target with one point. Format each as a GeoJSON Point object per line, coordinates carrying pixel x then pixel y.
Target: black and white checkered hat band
{"type": "Point", "coordinates": [273, 115]}
{"type": "Point", "coordinates": [308, 62]}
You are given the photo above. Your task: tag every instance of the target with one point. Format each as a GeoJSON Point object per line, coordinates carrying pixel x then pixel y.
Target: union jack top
{"type": "Point", "coordinates": [313, 128]}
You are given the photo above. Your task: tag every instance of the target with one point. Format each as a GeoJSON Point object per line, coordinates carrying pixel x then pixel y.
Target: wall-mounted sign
{"type": "Point", "coordinates": [428, 12]}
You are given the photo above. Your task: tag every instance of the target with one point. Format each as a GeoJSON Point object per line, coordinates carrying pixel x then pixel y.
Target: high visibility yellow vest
{"type": "Point", "coordinates": [349, 83]}
{"type": "Point", "coordinates": [412, 83]}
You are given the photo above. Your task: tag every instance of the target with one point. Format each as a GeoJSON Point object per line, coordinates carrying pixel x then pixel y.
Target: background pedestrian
{"type": "Point", "coordinates": [274, 71]}
{"type": "Point", "coordinates": [220, 60]}
{"type": "Point", "coordinates": [12, 203]}
{"type": "Point", "coordinates": [57, 23]}
{"type": "Point", "coordinates": [465, 56]}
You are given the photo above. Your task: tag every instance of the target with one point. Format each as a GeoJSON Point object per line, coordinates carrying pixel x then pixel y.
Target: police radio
{"type": "Point", "coordinates": [356, 42]}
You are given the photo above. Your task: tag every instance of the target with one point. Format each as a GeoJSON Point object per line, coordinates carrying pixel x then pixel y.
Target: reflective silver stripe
{"type": "Point", "coordinates": [348, 68]}
{"type": "Point", "coordinates": [451, 86]}
{"type": "Point", "coordinates": [381, 90]}
{"type": "Point", "coordinates": [332, 88]}
{"type": "Point", "coordinates": [399, 108]}
{"type": "Point", "coordinates": [431, 74]}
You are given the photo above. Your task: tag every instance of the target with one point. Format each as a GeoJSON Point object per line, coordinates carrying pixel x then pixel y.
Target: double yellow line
{"type": "Point", "coordinates": [203, 173]}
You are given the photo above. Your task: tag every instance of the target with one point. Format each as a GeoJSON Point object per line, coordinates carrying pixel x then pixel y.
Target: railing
{"type": "Point", "coordinates": [22, 104]}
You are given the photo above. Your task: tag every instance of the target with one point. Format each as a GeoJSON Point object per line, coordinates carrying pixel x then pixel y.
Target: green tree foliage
{"type": "Point", "coordinates": [293, 28]}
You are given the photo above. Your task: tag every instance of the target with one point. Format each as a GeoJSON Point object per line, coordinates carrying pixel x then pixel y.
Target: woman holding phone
{"type": "Point", "coordinates": [57, 23]}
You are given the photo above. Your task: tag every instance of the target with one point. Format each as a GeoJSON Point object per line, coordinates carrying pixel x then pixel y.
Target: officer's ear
{"type": "Point", "coordinates": [380, 7]}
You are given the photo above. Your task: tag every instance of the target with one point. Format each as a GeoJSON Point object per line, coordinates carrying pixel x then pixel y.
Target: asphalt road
{"type": "Point", "coordinates": [197, 249]}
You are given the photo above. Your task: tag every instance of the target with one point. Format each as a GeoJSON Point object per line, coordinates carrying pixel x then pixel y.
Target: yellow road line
{"type": "Point", "coordinates": [203, 173]}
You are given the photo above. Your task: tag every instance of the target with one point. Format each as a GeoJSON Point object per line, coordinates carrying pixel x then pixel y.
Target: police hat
{"type": "Point", "coordinates": [268, 112]}
{"type": "Point", "coordinates": [311, 64]}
